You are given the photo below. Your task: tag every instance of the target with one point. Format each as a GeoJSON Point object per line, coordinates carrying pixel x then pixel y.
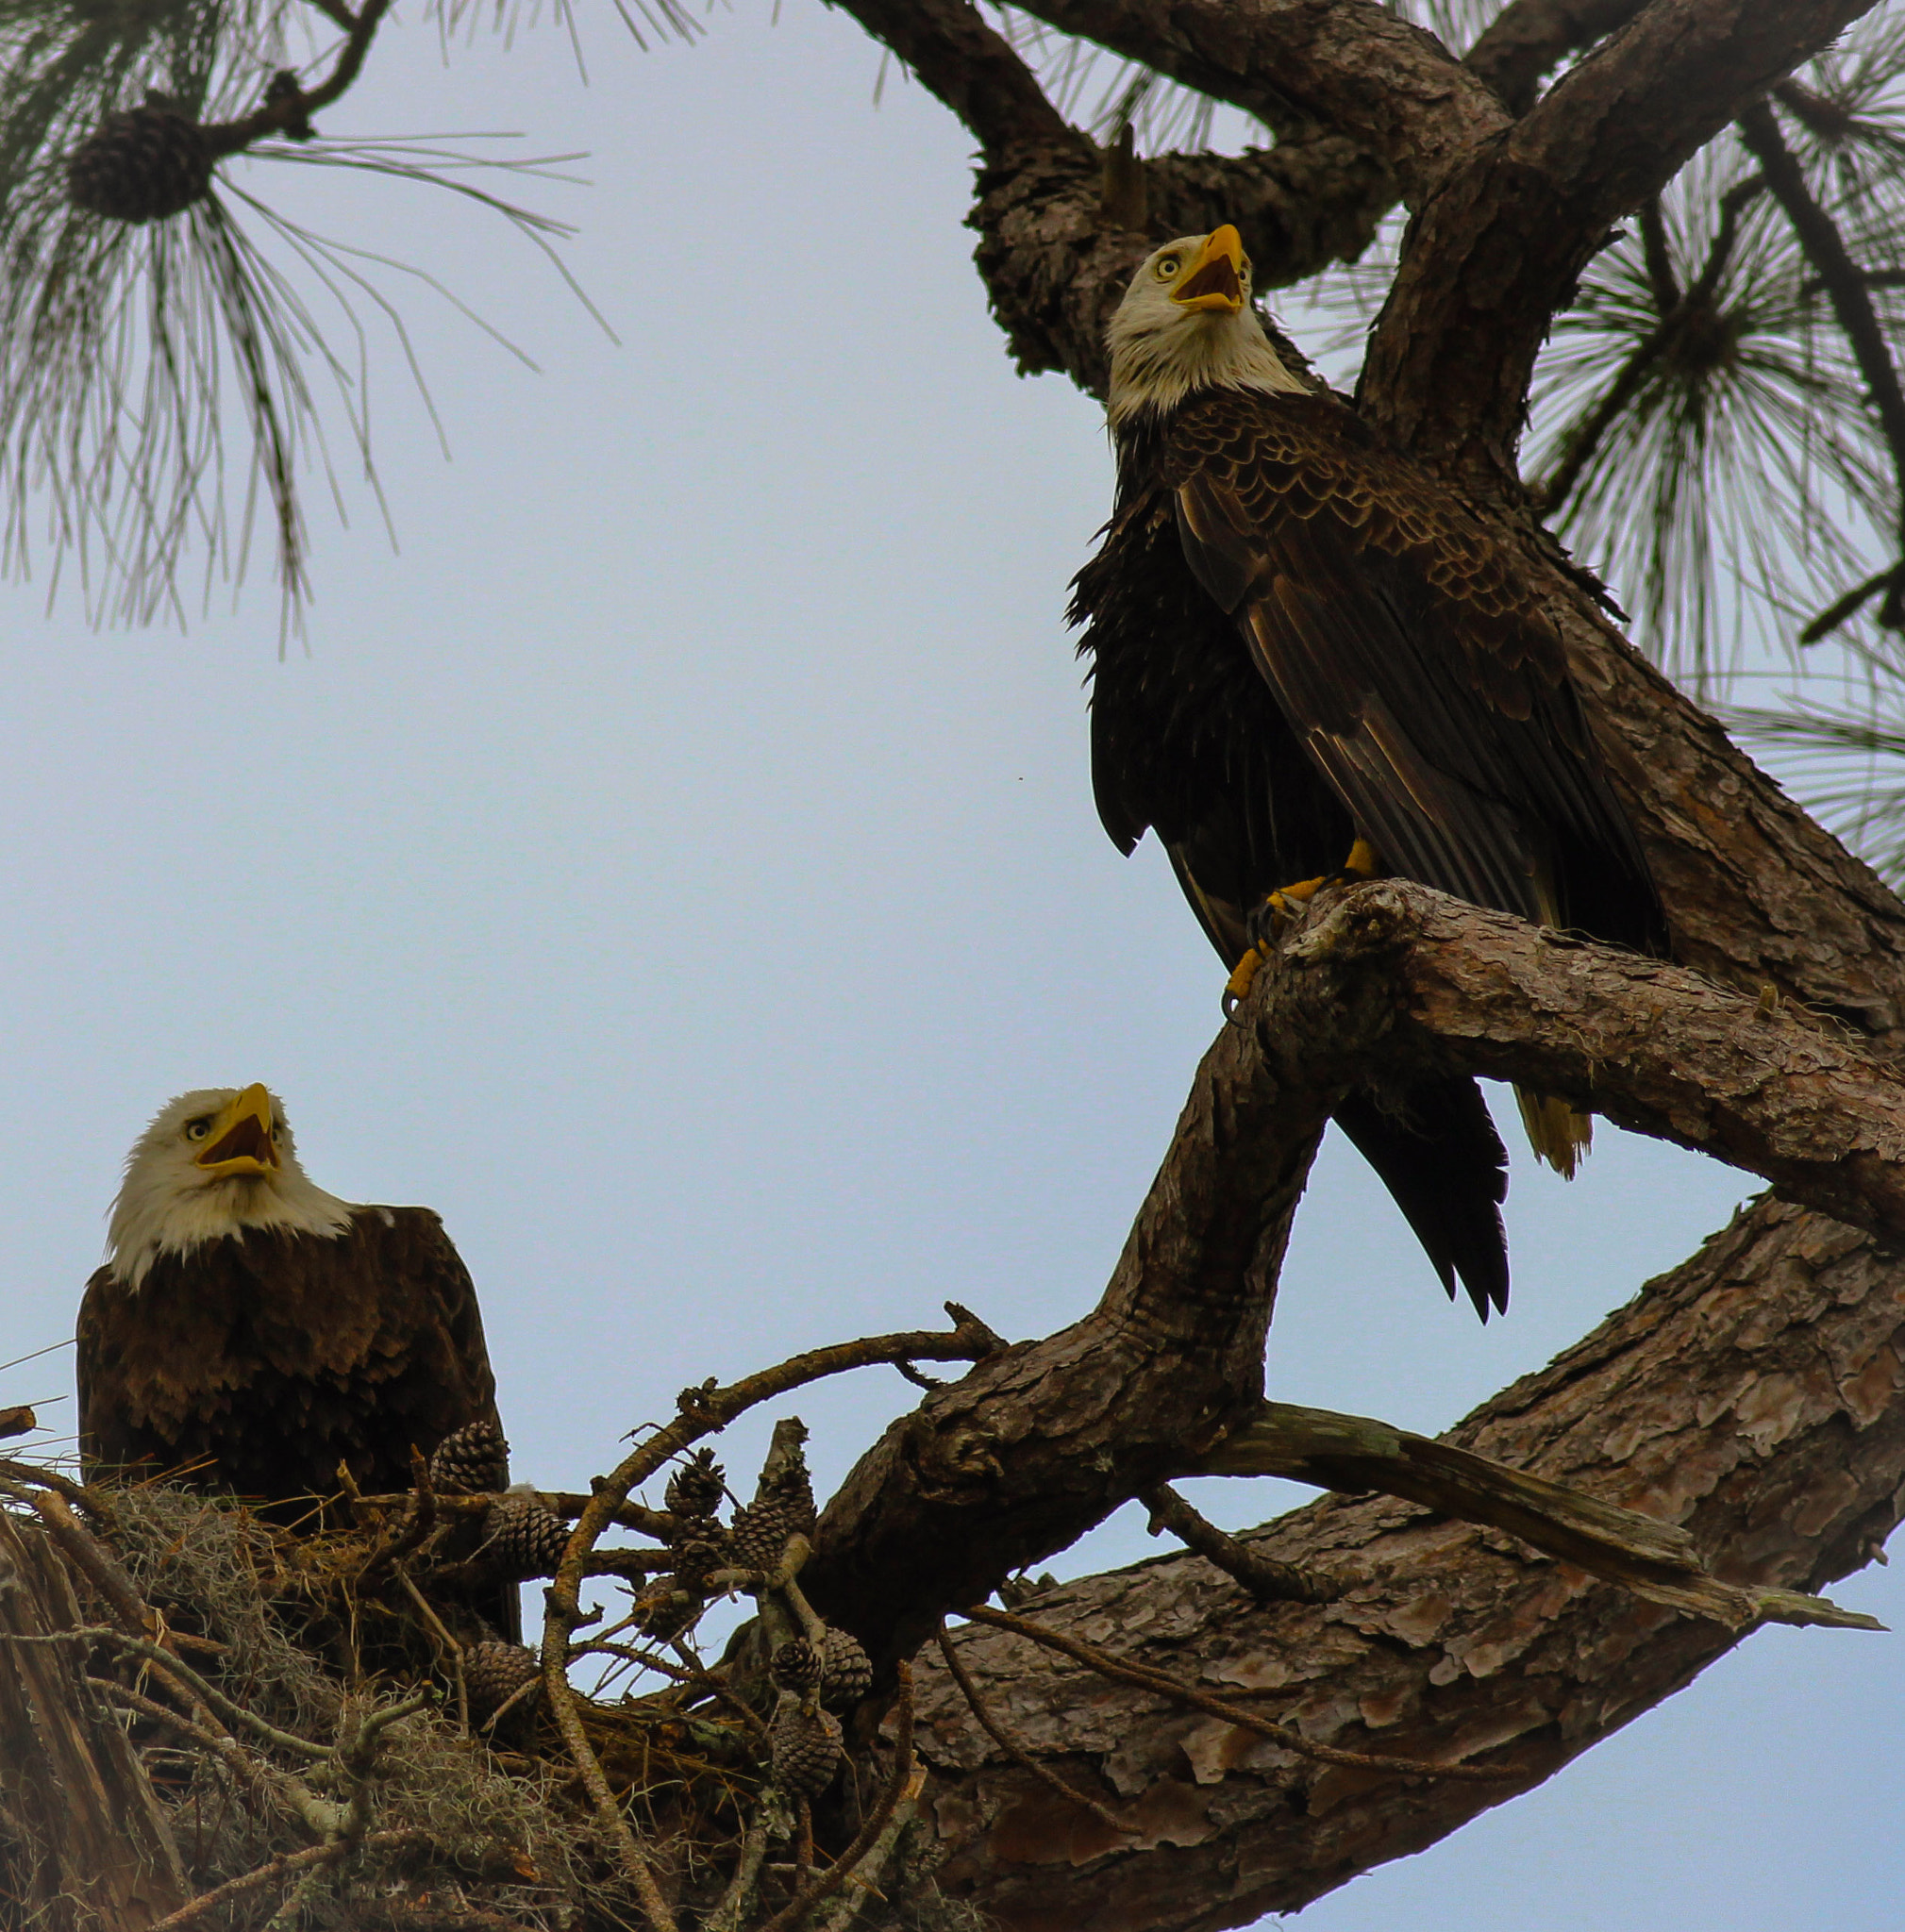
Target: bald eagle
{"type": "Point", "coordinates": [250, 1332]}
{"type": "Point", "coordinates": [1308, 661]}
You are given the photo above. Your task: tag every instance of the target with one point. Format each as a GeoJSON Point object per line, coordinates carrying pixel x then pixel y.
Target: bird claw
{"type": "Point", "coordinates": [1243, 976]}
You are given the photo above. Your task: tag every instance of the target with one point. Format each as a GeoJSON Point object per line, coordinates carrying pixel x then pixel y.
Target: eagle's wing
{"type": "Point", "coordinates": [1428, 685]}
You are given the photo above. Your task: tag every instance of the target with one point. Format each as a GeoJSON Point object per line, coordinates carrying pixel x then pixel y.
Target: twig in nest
{"type": "Point", "coordinates": [447, 1646]}
{"type": "Point", "coordinates": [1267, 1579]}
{"type": "Point", "coordinates": [561, 1702]}
{"type": "Point", "coordinates": [95, 1562]}
{"type": "Point", "coordinates": [411, 1528]}
{"type": "Point", "coordinates": [1015, 1751]}
{"type": "Point", "coordinates": [904, 1783]}
{"type": "Point", "coordinates": [1124, 1671]}
{"type": "Point", "coordinates": [287, 1865]}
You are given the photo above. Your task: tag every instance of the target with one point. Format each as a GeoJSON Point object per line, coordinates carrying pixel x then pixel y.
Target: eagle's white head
{"type": "Point", "coordinates": [214, 1163]}
{"type": "Point", "coordinates": [1186, 323]}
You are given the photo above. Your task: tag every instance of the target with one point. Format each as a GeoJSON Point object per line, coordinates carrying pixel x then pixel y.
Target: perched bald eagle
{"type": "Point", "coordinates": [249, 1332]}
{"type": "Point", "coordinates": [1308, 661]}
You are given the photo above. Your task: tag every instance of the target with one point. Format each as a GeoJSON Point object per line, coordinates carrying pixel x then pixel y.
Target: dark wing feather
{"type": "Point", "coordinates": [1429, 686]}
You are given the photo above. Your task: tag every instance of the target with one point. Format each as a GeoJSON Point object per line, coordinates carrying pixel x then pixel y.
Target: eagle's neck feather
{"type": "Point", "coordinates": [1153, 372]}
{"type": "Point", "coordinates": [152, 1222]}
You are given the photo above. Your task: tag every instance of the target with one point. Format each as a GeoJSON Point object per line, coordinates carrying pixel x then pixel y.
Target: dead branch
{"type": "Point", "coordinates": [1657, 1560]}
{"type": "Point", "coordinates": [1266, 1581]}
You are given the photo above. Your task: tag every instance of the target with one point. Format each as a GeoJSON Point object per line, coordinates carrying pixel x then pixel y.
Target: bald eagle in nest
{"type": "Point", "coordinates": [250, 1332]}
{"type": "Point", "coordinates": [1308, 661]}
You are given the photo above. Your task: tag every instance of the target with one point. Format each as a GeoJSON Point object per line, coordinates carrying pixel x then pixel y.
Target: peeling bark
{"type": "Point", "coordinates": [1752, 1396]}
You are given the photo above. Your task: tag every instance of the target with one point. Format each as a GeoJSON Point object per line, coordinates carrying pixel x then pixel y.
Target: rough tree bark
{"type": "Point", "coordinates": [1755, 1395]}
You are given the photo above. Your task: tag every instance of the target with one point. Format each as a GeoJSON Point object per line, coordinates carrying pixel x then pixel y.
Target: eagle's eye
{"type": "Point", "coordinates": [1243, 268]}
{"type": "Point", "coordinates": [198, 1129]}
{"type": "Point", "coordinates": [1168, 267]}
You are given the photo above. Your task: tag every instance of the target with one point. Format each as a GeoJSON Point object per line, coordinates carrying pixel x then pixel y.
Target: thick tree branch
{"type": "Point", "coordinates": [1034, 1446]}
{"type": "Point", "coordinates": [1349, 65]}
{"type": "Point", "coordinates": [1499, 248]}
{"type": "Point", "coordinates": [1528, 37]}
{"type": "Point", "coordinates": [1662, 1050]}
{"type": "Point", "coordinates": [1751, 1397]}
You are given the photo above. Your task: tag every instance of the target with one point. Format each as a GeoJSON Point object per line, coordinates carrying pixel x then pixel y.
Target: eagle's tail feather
{"type": "Point", "coordinates": [1442, 1160]}
{"type": "Point", "coordinates": [1559, 1133]}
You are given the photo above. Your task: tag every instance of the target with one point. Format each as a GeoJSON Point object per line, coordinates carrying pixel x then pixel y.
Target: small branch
{"type": "Point", "coordinates": [18, 1421]}
{"type": "Point", "coordinates": [1585, 438]}
{"type": "Point", "coordinates": [287, 1865]}
{"type": "Point", "coordinates": [1015, 1751]}
{"type": "Point", "coordinates": [1122, 1670]}
{"type": "Point", "coordinates": [1851, 296]}
{"type": "Point", "coordinates": [86, 1555]}
{"type": "Point", "coordinates": [1656, 1561]}
{"type": "Point", "coordinates": [1267, 1579]}
{"type": "Point", "coordinates": [904, 1783]}
{"type": "Point", "coordinates": [289, 111]}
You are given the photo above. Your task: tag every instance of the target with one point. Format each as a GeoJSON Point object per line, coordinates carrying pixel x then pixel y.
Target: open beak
{"type": "Point", "coordinates": [1216, 277]}
{"type": "Point", "coordinates": [240, 1139]}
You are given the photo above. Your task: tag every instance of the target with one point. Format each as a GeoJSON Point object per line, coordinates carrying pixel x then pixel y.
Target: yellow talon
{"type": "Point", "coordinates": [1243, 977]}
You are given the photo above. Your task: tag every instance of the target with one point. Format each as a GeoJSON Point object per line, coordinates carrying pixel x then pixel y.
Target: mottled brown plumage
{"type": "Point", "coordinates": [260, 1361]}
{"type": "Point", "coordinates": [1299, 640]}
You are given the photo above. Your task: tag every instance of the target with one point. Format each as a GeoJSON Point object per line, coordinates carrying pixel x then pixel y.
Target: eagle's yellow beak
{"type": "Point", "coordinates": [241, 1138]}
{"type": "Point", "coordinates": [1216, 279]}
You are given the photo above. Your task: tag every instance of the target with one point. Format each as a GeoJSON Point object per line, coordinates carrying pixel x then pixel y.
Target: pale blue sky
{"type": "Point", "coordinates": [676, 865]}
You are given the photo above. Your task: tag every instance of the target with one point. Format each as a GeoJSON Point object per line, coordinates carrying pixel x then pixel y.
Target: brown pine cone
{"type": "Point", "coordinates": [792, 1491]}
{"type": "Point", "coordinates": [699, 1556]}
{"type": "Point", "coordinates": [523, 1538]}
{"type": "Point", "coordinates": [494, 1673]}
{"type": "Point", "coordinates": [759, 1533]}
{"type": "Point", "coordinates": [472, 1461]}
{"type": "Point", "coordinates": [661, 1611]}
{"type": "Point", "coordinates": [805, 1749]}
{"type": "Point", "coordinates": [846, 1671]}
{"type": "Point", "coordinates": [698, 1487]}
{"type": "Point", "coordinates": [140, 165]}
{"type": "Point", "coordinates": [795, 1666]}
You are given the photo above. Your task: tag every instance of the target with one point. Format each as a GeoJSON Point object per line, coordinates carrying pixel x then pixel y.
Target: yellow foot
{"type": "Point", "coordinates": [1237, 988]}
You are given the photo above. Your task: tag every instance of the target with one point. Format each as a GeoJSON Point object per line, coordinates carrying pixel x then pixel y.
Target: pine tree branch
{"type": "Point", "coordinates": [1849, 293]}
{"type": "Point", "coordinates": [1528, 37]}
{"type": "Point", "coordinates": [1751, 1397]}
{"type": "Point", "coordinates": [1352, 67]}
{"type": "Point", "coordinates": [1500, 248]}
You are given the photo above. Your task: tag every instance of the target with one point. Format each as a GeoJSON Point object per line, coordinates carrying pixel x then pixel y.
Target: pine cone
{"type": "Point", "coordinates": [805, 1749]}
{"type": "Point", "coordinates": [698, 1487]}
{"type": "Point", "coordinates": [795, 1666]}
{"type": "Point", "coordinates": [759, 1534]}
{"type": "Point", "coordinates": [792, 1491]}
{"type": "Point", "coordinates": [472, 1461]}
{"type": "Point", "coordinates": [663, 1611]}
{"type": "Point", "coordinates": [846, 1671]}
{"type": "Point", "coordinates": [523, 1539]}
{"type": "Point", "coordinates": [697, 1558]}
{"type": "Point", "coordinates": [494, 1673]}
{"type": "Point", "coordinates": [140, 165]}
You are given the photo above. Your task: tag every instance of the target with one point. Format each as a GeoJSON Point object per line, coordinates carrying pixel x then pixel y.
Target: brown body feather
{"type": "Point", "coordinates": [1298, 637]}
{"type": "Point", "coordinates": [258, 1362]}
